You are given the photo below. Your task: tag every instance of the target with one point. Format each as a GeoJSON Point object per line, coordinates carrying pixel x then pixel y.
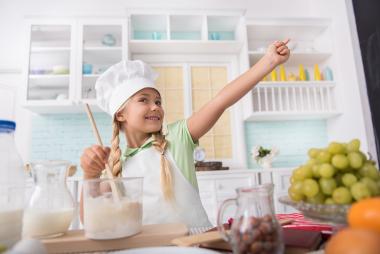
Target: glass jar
{"type": "Point", "coordinates": [12, 187]}
{"type": "Point", "coordinates": [51, 206]}
{"type": "Point", "coordinates": [112, 207]}
{"type": "Point", "coordinates": [255, 228]}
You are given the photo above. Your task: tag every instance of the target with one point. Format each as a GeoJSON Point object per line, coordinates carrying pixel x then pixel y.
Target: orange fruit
{"type": "Point", "coordinates": [365, 214]}
{"type": "Point", "coordinates": [354, 241]}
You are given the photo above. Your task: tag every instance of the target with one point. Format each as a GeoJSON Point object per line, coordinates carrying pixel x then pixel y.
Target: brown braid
{"type": "Point", "coordinates": [114, 159]}
{"type": "Point", "coordinates": [160, 143]}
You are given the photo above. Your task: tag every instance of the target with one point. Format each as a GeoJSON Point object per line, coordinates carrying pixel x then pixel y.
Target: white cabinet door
{"type": "Point", "coordinates": [281, 180]}
{"type": "Point", "coordinates": [214, 188]}
{"type": "Point", "coordinates": [101, 43]}
{"type": "Point", "coordinates": [65, 57]}
{"type": "Point", "coordinates": [208, 198]}
{"type": "Point", "coordinates": [50, 63]}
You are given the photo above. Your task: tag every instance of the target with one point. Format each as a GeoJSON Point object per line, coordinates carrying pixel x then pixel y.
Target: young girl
{"type": "Point", "coordinates": [127, 92]}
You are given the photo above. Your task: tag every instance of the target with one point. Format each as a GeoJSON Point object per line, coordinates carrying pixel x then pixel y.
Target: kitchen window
{"type": "Point", "coordinates": [185, 89]}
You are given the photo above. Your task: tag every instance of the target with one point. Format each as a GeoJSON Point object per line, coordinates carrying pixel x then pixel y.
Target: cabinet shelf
{"type": "Point", "coordinates": [293, 100]}
{"type": "Point", "coordinates": [185, 27]}
{"type": "Point", "coordinates": [284, 116]}
{"type": "Point", "coordinates": [49, 80]}
{"type": "Point", "coordinates": [305, 84]}
{"type": "Point", "coordinates": [296, 57]}
{"type": "Point", "coordinates": [222, 27]}
{"type": "Point", "coordinates": [49, 49]}
{"type": "Point", "coordinates": [307, 35]}
{"type": "Point", "coordinates": [184, 47]}
{"type": "Point", "coordinates": [102, 48]}
{"type": "Point", "coordinates": [91, 76]}
{"type": "Point", "coordinates": [296, 29]}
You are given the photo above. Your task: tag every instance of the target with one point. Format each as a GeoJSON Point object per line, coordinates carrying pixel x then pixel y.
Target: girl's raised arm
{"type": "Point", "coordinates": [203, 120]}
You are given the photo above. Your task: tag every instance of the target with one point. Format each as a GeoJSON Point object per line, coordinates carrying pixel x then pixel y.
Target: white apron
{"type": "Point", "coordinates": [186, 207]}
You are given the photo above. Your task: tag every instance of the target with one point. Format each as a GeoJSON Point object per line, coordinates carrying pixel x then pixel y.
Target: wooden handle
{"type": "Point", "coordinates": [209, 237]}
{"type": "Point", "coordinates": [206, 237]}
{"type": "Point", "coordinates": [114, 189]}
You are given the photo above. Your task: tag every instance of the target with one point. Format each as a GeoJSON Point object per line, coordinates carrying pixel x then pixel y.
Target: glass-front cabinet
{"type": "Point", "coordinates": [50, 68]}
{"type": "Point", "coordinates": [65, 57]}
{"type": "Point", "coordinates": [101, 46]}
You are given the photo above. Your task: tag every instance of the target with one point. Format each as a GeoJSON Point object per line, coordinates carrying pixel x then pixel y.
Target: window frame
{"type": "Point", "coordinates": [231, 62]}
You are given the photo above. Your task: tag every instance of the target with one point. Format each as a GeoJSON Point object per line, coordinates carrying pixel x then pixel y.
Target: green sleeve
{"type": "Point", "coordinates": [181, 146]}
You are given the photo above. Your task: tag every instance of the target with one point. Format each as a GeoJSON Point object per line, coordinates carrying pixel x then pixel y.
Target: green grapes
{"type": "Point", "coordinates": [353, 145]}
{"type": "Point", "coordinates": [340, 161]}
{"type": "Point", "coordinates": [329, 201]}
{"type": "Point", "coordinates": [337, 174]}
{"type": "Point", "coordinates": [370, 171]}
{"type": "Point", "coordinates": [310, 188]}
{"type": "Point", "coordinates": [360, 191]}
{"type": "Point", "coordinates": [324, 156]}
{"type": "Point", "coordinates": [349, 179]}
{"type": "Point", "coordinates": [326, 170]}
{"type": "Point", "coordinates": [317, 199]}
{"type": "Point", "coordinates": [371, 185]}
{"type": "Point", "coordinates": [327, 185]}
{"type": "Point", "coordinates": [297, 187]}
{"type": "Point", "coordinates": [355, 159]}
{"type": "Point", "coordinates": [335, 148]}
{"type": "Point", "coordinates": [313, 152]}
{"type": "Point", "coordinates": [342, 196]}
{"type": "Point", "coordinates": [315, 169]}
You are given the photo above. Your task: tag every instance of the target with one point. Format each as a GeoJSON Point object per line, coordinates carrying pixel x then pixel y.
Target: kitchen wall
{"type": "Point", "coordinates": [285, 136]}
{"type": "Point", "coordinates": [40, 137]}
{"type": "Point", "coordinates": [64, 136]}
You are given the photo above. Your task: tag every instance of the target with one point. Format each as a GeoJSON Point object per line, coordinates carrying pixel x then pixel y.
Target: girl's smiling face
{"type": "Point", "coordinates": [142, 112]}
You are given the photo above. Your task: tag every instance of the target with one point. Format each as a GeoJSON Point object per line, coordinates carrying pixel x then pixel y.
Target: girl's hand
{"type": "Point", "coordinates": [93, 161]}
{"type": "Point", "coordinates": [278, 52]}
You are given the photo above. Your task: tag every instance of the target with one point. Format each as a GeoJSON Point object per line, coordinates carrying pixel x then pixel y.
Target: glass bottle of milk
{"type": "Point", "coordinates": [12, 187]}
{"type": "Point", "coordinates": [51, 206]}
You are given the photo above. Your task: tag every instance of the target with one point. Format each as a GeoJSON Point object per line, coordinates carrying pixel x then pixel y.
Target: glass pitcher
{"type": "Point", "coordinates": [255, 228]}
{"type": "Point", "coordinates": [51, 206]}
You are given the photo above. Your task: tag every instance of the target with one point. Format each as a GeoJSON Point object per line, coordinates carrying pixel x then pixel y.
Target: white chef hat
{"type": "Point", "coordinates": [121, 81]}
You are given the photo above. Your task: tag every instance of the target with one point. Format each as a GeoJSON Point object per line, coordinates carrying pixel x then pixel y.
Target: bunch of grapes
{"type": "Point", "coordinates": [338, 174]}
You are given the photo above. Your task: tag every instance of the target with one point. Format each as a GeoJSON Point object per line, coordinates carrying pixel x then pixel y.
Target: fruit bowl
{"type": "Point", "coordinates": [331, 214]}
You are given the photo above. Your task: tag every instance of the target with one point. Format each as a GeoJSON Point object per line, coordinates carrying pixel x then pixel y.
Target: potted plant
{"type": "Point", "coordinates": [263, 156]}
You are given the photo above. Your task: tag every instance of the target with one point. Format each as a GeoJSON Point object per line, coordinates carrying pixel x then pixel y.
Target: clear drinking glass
{"type": "Point", "coordinates": [255, 228]}
{"type": "Point", "coordinates": [112, 207]}
{"type": "Point", "coordinates": [51, 206]}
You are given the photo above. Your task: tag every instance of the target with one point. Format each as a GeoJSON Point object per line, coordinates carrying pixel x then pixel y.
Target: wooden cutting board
{"type": "Point", "coordinates": [152, 235]}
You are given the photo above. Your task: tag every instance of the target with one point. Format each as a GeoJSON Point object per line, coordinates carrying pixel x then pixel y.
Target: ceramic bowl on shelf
{"type": "Point", "coordinates": [87, 68]}
{"type": "Point", "coordinates": [60, 69]}
{"type": "Point", "coordinates": [332, 214]}
{"type": "Point", "coordinates": [109, 40]}
{"type": "Point", "coordinates": [38, 71]}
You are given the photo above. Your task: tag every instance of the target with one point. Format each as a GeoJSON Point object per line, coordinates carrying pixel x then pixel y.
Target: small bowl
{"type": "Point", "coordinates": [60, 69]}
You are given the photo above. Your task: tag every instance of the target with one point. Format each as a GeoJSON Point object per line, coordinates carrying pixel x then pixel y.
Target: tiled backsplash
{"type": "Point", "coordinates": [64, 136]}
{"type": "Point", "coordinates": [292, 138]}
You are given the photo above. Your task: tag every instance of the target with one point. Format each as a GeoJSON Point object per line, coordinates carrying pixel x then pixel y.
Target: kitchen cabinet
{"type": "Point", "coordinates": [50, 70]}
{"type": "Point", "coordinates": [185, 32]}
{"type": "Point", "coordinates": [65, 56]}
{"type": "Point", "coordinates": [217, 186]}
{"type": "Point", "coordinates": [281, 97]}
